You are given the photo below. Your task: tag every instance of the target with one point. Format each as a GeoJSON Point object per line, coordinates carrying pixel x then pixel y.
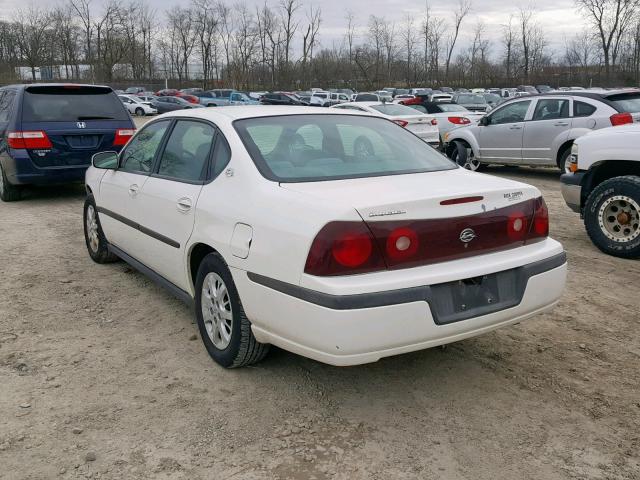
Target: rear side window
{"type": "Point", "coordinates": [626, 102]}
{"type": "Point", "coordinates": [6, 102]}
{"type": "Point", "coordinates": [221, 155]}
{"type": "Point", "coordinates": [139, 154]}
{"type": "Point", "coordinates": [71, 104]}
{"type": "Point", "coordinates": [550, 109]}
{"type": "Point", "coordinates": [581, 109]}
{"type": "Point", "coordinates": [187, 152]}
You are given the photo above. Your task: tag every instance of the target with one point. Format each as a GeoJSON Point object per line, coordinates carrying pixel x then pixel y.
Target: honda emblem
{"type": "Point", "coordinates": [81, 125]}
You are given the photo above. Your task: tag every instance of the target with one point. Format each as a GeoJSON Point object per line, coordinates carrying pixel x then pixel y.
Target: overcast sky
{"type": "Point", "coordinates": [558, 18]}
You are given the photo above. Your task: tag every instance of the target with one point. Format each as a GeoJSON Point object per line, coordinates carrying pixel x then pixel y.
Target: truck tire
{"type": "Point", "coordinates": [612, 216]}
{"type": "Point", "coordinates": [461, 156]}
{"type": "Point", "coordinates": [224, 327]}
{"type": "Point", "coordinates": [8, 192]}
{"type": "Point", "coordinates": [94, 238]}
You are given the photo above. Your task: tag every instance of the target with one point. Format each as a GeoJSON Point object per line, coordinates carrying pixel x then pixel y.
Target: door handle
{"type": "Point", "coordinates": [561, 124]}
{"type": "Point", "coordinates": [133, 190]}
{"type": "Point", "coordinates": [515, 127]}
{"type": "Point", "coordinates": [184, 204]}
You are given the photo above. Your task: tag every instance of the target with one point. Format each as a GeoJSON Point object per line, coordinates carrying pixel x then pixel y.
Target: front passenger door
{"type": "Point", "coordinates": [168, 198]}
{"type": "Point", "coordinates": [501, 140]}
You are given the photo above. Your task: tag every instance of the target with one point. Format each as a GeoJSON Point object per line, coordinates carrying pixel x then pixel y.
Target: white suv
{"type": "Point", "coordinates": [339, 236]}
{"type": "Point", "coordinates": [539, 130]}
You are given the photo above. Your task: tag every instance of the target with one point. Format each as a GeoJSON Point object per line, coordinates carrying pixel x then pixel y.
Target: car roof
{"type": "Point", "coordinates": [24, 86]}
{"type": "Point", "coordinates": [232, 113]}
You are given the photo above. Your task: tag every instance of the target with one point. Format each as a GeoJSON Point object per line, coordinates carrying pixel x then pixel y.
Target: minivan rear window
{"type": "Point", "coordinates": [626, 102]}
{"type": "Point", "coordinates": [71, 104]}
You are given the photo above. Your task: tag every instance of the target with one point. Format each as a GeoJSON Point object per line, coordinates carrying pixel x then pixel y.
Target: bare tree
{"type": "Point", "coordinates": [31, 26]}
{"type": "Point", "coordinates": [464, 6]}
{"type": "Point", "coordinates": [409, 40]}
{"type": "Point", "coordinates": [206, 30]}
{"type": "Point", "coordinates": [288, 9]}
{"type": "Point", "coordinates": [309, 39]}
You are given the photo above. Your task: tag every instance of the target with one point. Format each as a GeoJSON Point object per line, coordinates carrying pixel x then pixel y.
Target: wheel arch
{"type": "Point", "coordinates": [197, 252]}
{"type": "Point", "coordinates": [469, 142]}
{"type": "Point", "coordinates": [566, 145]}
{"type": "Point", "coordinates": [605, 170]}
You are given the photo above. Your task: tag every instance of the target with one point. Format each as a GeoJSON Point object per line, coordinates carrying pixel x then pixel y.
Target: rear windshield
{"type": "Point", "coordinates": [70, 104]}
{"type": "Point", "coordinates": [306, 148]}
{"type": "Point", "coordinates": [393, 109]}
{"type": "Point", "coordinates": [451, 107]}
{"type": "Point", "coordinates": [626, 102]}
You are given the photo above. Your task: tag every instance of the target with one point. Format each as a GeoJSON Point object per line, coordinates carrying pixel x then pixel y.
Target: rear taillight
{"type": "Point", "coordinates": [31, 140]}
{"type": "Point", "coordinates": [402, 123]}
{"type": "Point", "coordinates": [459, 120]}
{"type": "Point", "coordinates": [123, 135]}
{"type": "Point", "coordinates": [540, 226]}
{"type": "Point", "coordinates": [434, 122]}
{"type": "Point", "coordinates": [343, 248]}
{"type": "Point", "coordinates": [411, 101]}
{"type": "Point", "coordinates": [621, 119]}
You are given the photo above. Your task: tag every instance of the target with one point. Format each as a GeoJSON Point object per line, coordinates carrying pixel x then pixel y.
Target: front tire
{"type": "Point", "coordinates": [464, 157]}
{"type": "Point", "coordinates": [612, 216]}
{"type": "Point", "coordinates": [8, 192]}
{"type": "Point", "coordinates": [140, 112]}
{"type": "Point", "coordinates": [224, 327]}
{"type": "Point", "coordinates": [563, 161]}
{"type": "Point", "coordinates": [95, 240]}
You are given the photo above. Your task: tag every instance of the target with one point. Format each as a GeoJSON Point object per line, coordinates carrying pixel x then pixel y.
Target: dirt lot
{"type": "Point", "coordinates": [102, 376]}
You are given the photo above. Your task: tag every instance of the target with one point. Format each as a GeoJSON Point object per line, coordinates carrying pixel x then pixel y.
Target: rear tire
{"type": "Point", "coordinates": [464, 157]}
{"type": "Point", "coordinates": [612, 216]}
{"type": "Point", "coordinates": [224, 327]}
{"type": "Point", "coordinates": [563, 160]}
{"type": "Point", "coordinates": [140, 112]}
{"type": "Point", "coordinates": [95, 240]}
{"type": "Point", "coordinates": [8, 192]}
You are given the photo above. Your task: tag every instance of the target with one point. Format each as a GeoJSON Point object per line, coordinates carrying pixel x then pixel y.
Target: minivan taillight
{"type": "Point", "coordinates": [621, 119]}
{"type": "Point", "coordinates": [343, 248]}
{"type": "Point", "coordinates": [123, 135]}
{"type": "Point", "coordinates": [31, 140]}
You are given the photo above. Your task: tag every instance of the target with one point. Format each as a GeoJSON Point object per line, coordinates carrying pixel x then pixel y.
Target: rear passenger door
{"type": "Point", "coordinates": [549, 127]}
{"type": "Point", "coordinates": [167, 202]}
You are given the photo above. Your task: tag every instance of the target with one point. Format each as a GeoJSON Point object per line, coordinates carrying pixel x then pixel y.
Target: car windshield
{"type": "Point", "coordinates": [393, 109]}
{"type": "Point", "coordinates": [306, 148]}
{"type": "Point", "coordinates": [490, 97]}
{"type": "Point", "coordinates": [451, 107]}
{"type": "Point", "coordinates": [367, 97]}
{"type": "Point", "coordinates": [626, 102]}
{"type": "Point", "coordinates": [469, 98]}
{"type": "Point", "coordinates": [71, 103]}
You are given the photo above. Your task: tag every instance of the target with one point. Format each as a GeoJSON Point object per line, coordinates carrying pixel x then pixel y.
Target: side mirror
{"type": "Point", "coordinates": [484, 121]}
{"type": "Point", "coordinates": [105, 160]}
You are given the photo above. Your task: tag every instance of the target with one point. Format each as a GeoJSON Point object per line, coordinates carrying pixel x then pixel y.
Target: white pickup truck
{"type": "Point", "coordinates": [604, 187]}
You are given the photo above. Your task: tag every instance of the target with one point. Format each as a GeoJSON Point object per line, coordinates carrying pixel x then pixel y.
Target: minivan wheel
{"type": "Point", "coordinates": [95, 240]}
{"type": "Point", "coordinates": [140, 112]}
{"type": "Point", "coordinates": [612, 216]}
{"type": "Point", "coordinates": [223, 325]}
{"type": "Point", "coordinates": [8, 192]}
{"type": "Point", "coordinates": [464, 157]}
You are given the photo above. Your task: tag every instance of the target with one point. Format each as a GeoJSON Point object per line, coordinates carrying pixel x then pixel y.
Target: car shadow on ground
{"type": "Point", "coordinates": [524, 173]}
{"type": "Point", "coordinates": [52, 192]}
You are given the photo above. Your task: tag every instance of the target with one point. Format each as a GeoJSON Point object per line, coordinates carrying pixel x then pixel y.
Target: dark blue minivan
{"type": "Point", "coordinates": [49, 132]}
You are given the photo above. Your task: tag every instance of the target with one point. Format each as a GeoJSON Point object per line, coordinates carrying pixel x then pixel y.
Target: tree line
{"type": "Point", "coordinates": [278, 46]}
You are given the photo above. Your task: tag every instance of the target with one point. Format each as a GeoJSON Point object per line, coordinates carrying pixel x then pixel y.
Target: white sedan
{"type": "Point", "coordinates": [136, 106]}
{"type": "Point", "coordinates": [335, 235]}
{"type": "Point", "coordinates": [424, 126]}
{"type": "Point", "coordinates": [448, 115]}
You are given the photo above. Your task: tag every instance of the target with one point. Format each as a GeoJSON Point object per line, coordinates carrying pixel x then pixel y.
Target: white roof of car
{"type": "Point", "coordinates": [232, 113]}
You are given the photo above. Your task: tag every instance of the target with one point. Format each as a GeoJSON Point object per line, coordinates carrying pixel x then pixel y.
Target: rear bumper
{"type": "Point", "coordinates": [356, 329]}
{"type": "Point", "coordinates": [571, 186]}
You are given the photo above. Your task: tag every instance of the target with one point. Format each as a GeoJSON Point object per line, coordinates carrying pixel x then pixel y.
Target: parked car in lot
{"type": "Point", "coordinates": [472, 101]}
{"type": "Point", "coordinates": [211, 98]}
{"type": "Point", "coordinates": [366, 97]}
{"type": "Point", "coordinates": [603, 185]}
{"type": "Point", "coordinates": [448, 115]}
{"type": "Point", "coordinates": [281, 98]}
{"type": "Point", "coordinates": [137, 106]}
{"type": "Point", "coordinates": [423, 126]}
{"type": "Point", "coordinates": [283, 229]}
{"type": "Point", "coordinates": [48, 133]}
{"type": "Point", "coordinates": [134, 90]}
{"type": "Point", "coordinates": [539, 130]}
{"type": "Point", "coordinates": [170, 104]}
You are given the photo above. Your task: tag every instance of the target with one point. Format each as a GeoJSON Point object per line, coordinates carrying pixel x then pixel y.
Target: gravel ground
{"type": "Point", "coordinates": [102, 376]}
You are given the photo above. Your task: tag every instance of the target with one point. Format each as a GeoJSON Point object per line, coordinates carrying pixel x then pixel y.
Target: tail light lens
{"type": "Point", "coordinates": [123, 135]}
{"type": "Point", "coordinates": [434, 122]}
{"type": "Point", "coordinates": [402, 123]}
{"type": "Point", "coordinates": [31, 140]}
{"type": "Point", "coordinates": [621, 119]}
{"type": "Point", "coordinates": [459, 120]}
{"type": "Point", "coordinates": [343, 248]}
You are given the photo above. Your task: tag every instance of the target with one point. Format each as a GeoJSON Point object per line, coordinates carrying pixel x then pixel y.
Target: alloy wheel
{"type": "Point", "coordinates": [92, 229]}
{"type": "Point", "coordinates": [217, 312]}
